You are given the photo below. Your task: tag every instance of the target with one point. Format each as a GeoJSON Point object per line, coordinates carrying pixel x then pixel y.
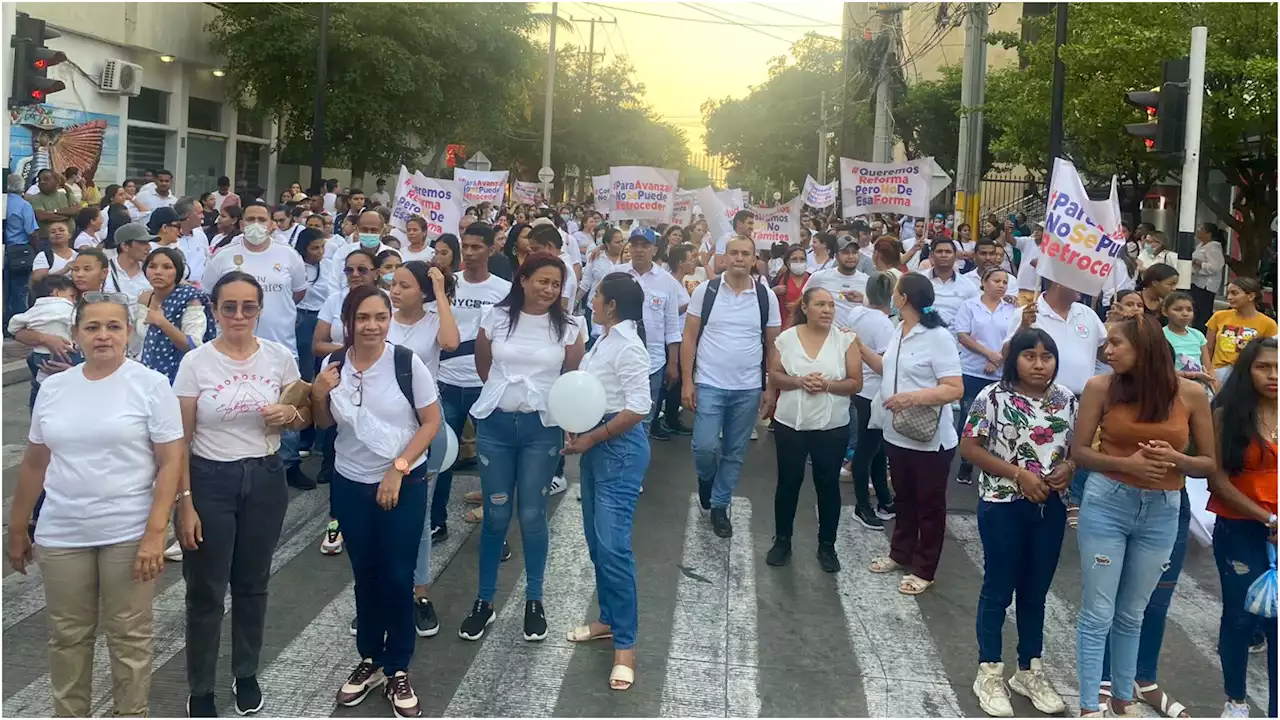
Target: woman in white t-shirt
{"type": "Point", "coordinates": [816, 368]}
{"type": "Point", "coordinates": [385, 405]}
{"type": "Point", "coordinates": [524, 343]}
{"type": "Point", "coordinates": [601, 262]}
{"type": "Point", "coordinates": [57, 257]}
{"type": "Point", "coordinates": [874, 328]}
{"type": "Point", "coordinates": [89, 224]}
{"type": "Point", "coordinates": [922, 377]}
{"type": "Point", "coordinates": [426, 326]}
{"type": "Point", "coordinates": [231, 504]}
{"type": "Point", "coordinates": [1155, 251]}
{"type": "Point", "coordinates": [310, 246]}
{"type": "Point", "coordinates": [106, 446]}
{"type": "Point", "coordinates": [417, 247]}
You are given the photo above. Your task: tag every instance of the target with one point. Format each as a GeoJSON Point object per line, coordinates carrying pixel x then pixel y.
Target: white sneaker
{"type": "Point", "coordinates": [1034, 686]}
{"type": "Point", "coordinates": [173, 553]}
{"type": "Point", "coordinates": [755, 433]}
{"type": "Point", "coordinates": [304, 454]}
{"type": "Point", "coordinates": [993, 694]}
{"type": "Point", "coordinates": [558, 485]}
{"type": "Point", "coordinates": [1231, 710]}
{"type": "Point", "coordinates": [331, 543]}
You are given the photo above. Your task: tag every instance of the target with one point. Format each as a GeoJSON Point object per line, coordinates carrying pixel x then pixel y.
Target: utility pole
{"type": "Point", "coordinates": [882, 145]}
{"type": "Point", "coordinates": [1191, 156]}
{"type": "Point", "coordinates": [972, 97]}
{"type": "Point", "coordinates": [1056, 110]}
{"type": "Point", "coordinates": [322, 83]}
{"type": "Point", "coordinates": [822, 140]}
{"type": "Point", "coordinates": [591, 61]}
{"type": "Point", "coordinates": [546, 174]}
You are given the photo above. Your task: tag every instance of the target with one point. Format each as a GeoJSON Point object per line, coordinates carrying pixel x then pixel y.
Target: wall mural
{"type": "Point", "coordinates": [43, 136]}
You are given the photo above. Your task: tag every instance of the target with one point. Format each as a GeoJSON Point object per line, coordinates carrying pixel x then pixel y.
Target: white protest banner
{"type": "Point", "coordinates": [718, 208]}
{"type": "Point", "coordinates": [683, 213]}
{"type": "Point", "coordinates": [1082, 235]}
{"type": "Point", "coordinates": [778, 224]}
{"type": "Point", "coordinates": [603, 188]}
{"type": "Point", "coordinates": [903, 188]}
{"type": "Point", "coordinates": [437, 201]}
{"type": "Point", "coordinates": [818, 196]}
{"type": "Point", "coordinates": [525, 193]}
{"type": "Point", "coordinates": [479, 187]}
{"type": "Point", "coordinates": [644, 193]}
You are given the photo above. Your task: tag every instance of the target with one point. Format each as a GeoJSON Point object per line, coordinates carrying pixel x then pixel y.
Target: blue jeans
{"type": "Point", "coordinates": [383, 547]}
{"type": "Point", "coordinates": [290, 442]}
{"type": "Point", "coordinates": [972, 386]}
{"type": "Point", "coordinates": [1153, 619]}
{"type": "Point", "coordinates": [1240, 549]}
{"type": "Point", "coordinates": [1126, 539]}
{"type": "Point", "coordinates": [717, 459]}
{"type": "Point", "coordinates": [455, 403]}
{"type": "Point", "coordinates": [656, 386]}
{"type": "Point", "coordinates": [33, 364]}
{"type": "Point", "coordinates": [435, 457]}
{"type": "Point", "coordinates": [518, 456]}
{"type": "Point", "coordinates": [612, 472]}
{"type": "Point", "coordinates": [15, 294]}
{"type": "Point", "coordinates": [1021, 542]}
{"type": "Point", "coordinates": [307, 364]}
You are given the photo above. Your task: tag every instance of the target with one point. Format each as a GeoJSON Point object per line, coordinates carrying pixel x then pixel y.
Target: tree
{"type": "Point", "coordinates": [401, 76]}
{"type": "Point", "coordinates": [1116, 47]}
{"type": "Point", "coordinates": [927, 120]}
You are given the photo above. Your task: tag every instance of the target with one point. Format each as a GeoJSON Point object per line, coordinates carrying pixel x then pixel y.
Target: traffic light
{"type": "Point", "coordinates": [31, 62]}
{"type": "Point", "coordinates": [1166, 108]}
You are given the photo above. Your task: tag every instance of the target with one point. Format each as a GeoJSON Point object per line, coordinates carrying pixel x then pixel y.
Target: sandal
{"type": "Point", "coordinates": [912, 585]}
{"type": "Point", "coordinates": [1165, 706]}
{"type": "Point", "coordinates": [1073, 517]}
{"type": "Point", "coordinates": [622, 678]}
{"type": "Point", "coordinates": [582, 633]}
{"type": "Point", "coordinates": [474, 498]}
{"type": "Point", "coordinates": [884, 565]}
{"type": "Point", "coordinates": [474, 515]}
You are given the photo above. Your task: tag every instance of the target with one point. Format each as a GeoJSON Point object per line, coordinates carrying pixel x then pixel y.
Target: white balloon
{"type": "Point", "coordinates": [444, 450]}
{"type": "Point", "coordinates": [450, 448]}
{"type": "Point", "coordinates": [576, 401]}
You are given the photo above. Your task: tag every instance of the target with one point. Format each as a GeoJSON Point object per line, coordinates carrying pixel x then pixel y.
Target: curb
{"type": "Point", "coordinates": [15, 372]}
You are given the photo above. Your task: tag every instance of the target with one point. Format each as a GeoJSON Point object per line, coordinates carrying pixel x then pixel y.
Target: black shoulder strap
{"type": "Point", "coordinates": [708, 302]}
{"type": "Point", "coordinates": [403, 358]}
{"type": "Point", "coordinates": [763, 298]}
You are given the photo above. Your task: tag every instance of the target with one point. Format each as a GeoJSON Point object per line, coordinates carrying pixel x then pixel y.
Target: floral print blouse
{"type": "Point", "coordinates": [1032, 433]}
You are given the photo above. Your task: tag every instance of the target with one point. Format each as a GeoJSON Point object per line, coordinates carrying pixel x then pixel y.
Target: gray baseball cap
{"type": "Point", "coordinates": [133, 232]}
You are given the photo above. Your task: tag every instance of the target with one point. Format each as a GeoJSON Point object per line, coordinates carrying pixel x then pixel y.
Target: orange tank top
{"type": "Point", "coordinates": [1121, 432]}
{"type": "Point", "coordinates": [1257, 481]}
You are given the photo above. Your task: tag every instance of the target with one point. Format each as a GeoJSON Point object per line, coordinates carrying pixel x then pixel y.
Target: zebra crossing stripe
{"type": "Point", "coordinates": [1199, 614]}
{"type": "Point", "coordinates": [304, 519]}
{"type": "Point", "coordinates": [510, 677]}
{"type": "Point", "coordinates": [712, 672]}
{"type": "Point", "coordinates": [882, 624]}
{"type": "Point", "coordinates": [307, 673]}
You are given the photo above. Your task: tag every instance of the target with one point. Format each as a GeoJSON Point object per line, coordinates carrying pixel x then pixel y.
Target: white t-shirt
{"type": "Point", "coordinates": [229, 397]}
{"type": "Point", "coordinates": [372, 435]}
{"type": "Point", "coordinates": [525, 364]}
{"type": "Point", "coordinates": [928, 355]}
{"type": "Point", "coordinates": [330, 203]}
{"type": "Point", "coordinates": [729, 354]}
{"type": "Point", "coordinates": [119, 281]}
{"type": "Point", "coordinates": [422, 337]}
{"type": "Point", "coordinates": [288, 237]}
{"type": "Point", "coordinates": [281, 272]}
{"type": "Point", "coordinates": [569, 288]}
{"type": "Point", "coordinates": [875, 330]}
{"type": "Point", "coordinates": [102, 470]}
{"type": "Point", "coordinates": [470, 303]}
{"type": "Point", "coordinates": [84, 240]}
{"type": "Point", "coordinates": [842, 287]}
{"type": "Point", "coordinates": [316, 292]}
{"type": "Point", "coordinates": [195, 251]}
{"type": "Point", "coordinates": [800, 409]}
{"type": "Point", "coordinates": [1078, 336]}
{"type": "Point", "coordinates": [426, 254]}
{"type": "Point", "coordinates": [41, 262]}
{"type": "Point", "coordinates": [1029, 274]}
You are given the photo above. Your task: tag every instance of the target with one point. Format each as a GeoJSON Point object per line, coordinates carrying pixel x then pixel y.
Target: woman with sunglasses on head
{"type": "Point", "coordinates": [384, 403]}
{"type": "Point", "coordinates": [106, 445]}
{"type": "Point", "coordinates": [232, 502]}
{"type": "Point", "coordinates": [175, 321]}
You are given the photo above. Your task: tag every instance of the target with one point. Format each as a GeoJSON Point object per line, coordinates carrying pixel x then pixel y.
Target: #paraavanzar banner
{"type": "Point", "coordinates": [644, 193]}
{"type": "Point", "coordinates": [1082, 235]}
{"type": "Point", "coordinates": [525, 192]}
{"type": "Point", "coordinates": [818, 196]}
{"type": "Point", "coordinates": [603, 188]}
{"type": "Point", "coordinates": [902, 188]}
{"type": "Point", "coordinates": [778, 224]}
{"type": "Point", "coordinates": [435, 200]}
{"type": "Point", "coordinates": [683, 213]}
{"type": "Point", "coordinates": [478, 187]}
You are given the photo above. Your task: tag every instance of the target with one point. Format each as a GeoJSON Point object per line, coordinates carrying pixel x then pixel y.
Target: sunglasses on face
{"type": "Point", "coordinates": [356, 270]}
{"type": "Point", "coordinates": [246, 309]}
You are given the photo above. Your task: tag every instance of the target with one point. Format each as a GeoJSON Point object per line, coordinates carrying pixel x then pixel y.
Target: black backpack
{"type": "Point", "coordinates": [763, 298]}
{"type": "Point", "coordinates": [403, 358]}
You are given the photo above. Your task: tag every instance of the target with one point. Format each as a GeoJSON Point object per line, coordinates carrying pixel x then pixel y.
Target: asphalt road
{"type": "Point", "coordinates": [721, 633]}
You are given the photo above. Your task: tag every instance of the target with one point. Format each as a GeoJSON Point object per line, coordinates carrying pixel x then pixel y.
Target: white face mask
{"type": "Point", "coordinates": [255, 234]}
{"type": "Point", "coordinates": [797, 268]}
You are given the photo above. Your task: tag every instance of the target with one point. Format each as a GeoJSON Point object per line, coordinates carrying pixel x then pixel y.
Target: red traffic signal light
{"type": "Point", "coordinates": [31, 84]}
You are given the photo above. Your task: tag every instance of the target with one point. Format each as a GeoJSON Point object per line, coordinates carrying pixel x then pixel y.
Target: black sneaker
{"type": "Point", "coordinates": [480, 618]}
{"type": "Point", "coordinates": [720, 522]}
{"type": "Point", "coordinates": [827, 559]}
{"type": "Point", "coordinates": [324, 477]}
{"type": "Point", "coordinates": [535, 621]}
{"type": "Point", "coordinates": [656, 432]}
{"type": "Point", "coordinates": [463, 465]}
{"type": "Point", "coordinates": [353, 627]}
{"type": "Point", "coordinates": [439, 533]}
{"type": "Point", "coordinates": [362, 681]}
{"type": "Point", "coordinates": [398, 692]}
{"type": "Point", "coordinates": [704, 495]}
{"type": "Point", "coordinates": [965, 476]}
{"type": "Point", "coordinates": [676, 428]}
{"type": "Point", "coordinates": [201, 706]}
{"type": "Point", "coordinates": [424, 618]}
{"type": "Point", "coordinates": [887, 512]}
{"type": "Point", "coordinates": [780, 553]}
{"type": "Point", "coordinates": [248, 695]}
{"type": "Point", "coordinates": [506, 551]}
{"type": "Point", "coordinates": [296, 478]}
{"type": "Point", "coordinates": [868, 519]}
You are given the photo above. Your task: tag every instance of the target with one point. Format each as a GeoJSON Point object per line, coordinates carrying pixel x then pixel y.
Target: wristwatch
{"type": "Point", "coordinates": [401, 465]}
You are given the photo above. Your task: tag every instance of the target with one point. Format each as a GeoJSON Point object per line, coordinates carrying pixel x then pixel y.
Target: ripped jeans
{"type": "Point", "coordinates": [518, 456]}
{"type": "Point", "coordinates": [1126, 538]}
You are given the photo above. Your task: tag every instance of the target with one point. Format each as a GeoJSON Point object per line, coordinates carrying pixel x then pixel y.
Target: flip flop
{"type": "Point", "coordinates": [582, 633]}
{"type": "Point", "coordinates": [622, 678]}
{"type": "Point", "coordinates": [912, 585]}
{"type": "Point", "coordinates": [884, 565]}
{"type": "Point", "coordinates": [474, 515]}
{"type": "Point", "coordinates": [1073, 517]}
{"type": "Point", "coordinates": [473, 498]}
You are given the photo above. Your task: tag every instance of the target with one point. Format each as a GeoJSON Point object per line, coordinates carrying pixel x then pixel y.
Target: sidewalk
{"type": "Point", "coordinates": [15, 363]}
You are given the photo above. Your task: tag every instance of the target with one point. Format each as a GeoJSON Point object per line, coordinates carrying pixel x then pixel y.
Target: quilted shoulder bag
{"type": "Point", "coordinates": [919, 422]}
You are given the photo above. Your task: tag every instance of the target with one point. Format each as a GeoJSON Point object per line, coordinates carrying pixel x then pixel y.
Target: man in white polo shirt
{"type": "Point", "coordinates": [744, 225]}
{"type": "Point", "coordinates": [950, 289]}
{"type": "Point", "coordinates": [725, 384]}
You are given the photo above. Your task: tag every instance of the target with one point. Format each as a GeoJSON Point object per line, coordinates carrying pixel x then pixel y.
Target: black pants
{"type": "Point", "coordinates": [241, 506]}
{"type": "Point", "coordinates": [793, 447]}
{"type": "Point", "coordinates": [671, 401]}
{"type": "Point", "coordinates": [1202, 300]}
{"type": "Point", "coordinates": [869, 461]}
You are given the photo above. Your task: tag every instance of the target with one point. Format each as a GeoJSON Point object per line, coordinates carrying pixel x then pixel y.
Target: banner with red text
{"type": "Point", "coordinates": [478, 187]}
{"type": "Point", "coordinates": [603, 188]}
{"type": "Point", "coordinates": [818, 196]}
{"type": "Point", "coordinates": [683, 213]}
{"type": "Point", "coordinates": [904, 188]}
{"type": "Point", "coordinates": [438, 201]}
{"type": "Point", "coordinates": [525, 193]}
{"type": "Point", "coordinates": [1082, 241]}
{"type": "Point", "coordinates": [779, 224]}
{"type": "Point", "coordinates": [643, 193]}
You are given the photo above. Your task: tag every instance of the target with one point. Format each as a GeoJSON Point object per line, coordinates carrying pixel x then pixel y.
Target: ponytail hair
{"type": "Point", "coordinates": [799, 317]}
{"type": "Point", "coordinates": [627, 296]}
{"type": "Point", "coordinates": [918, 291]}
{"type": "Point", "coordinates": [355, 297]}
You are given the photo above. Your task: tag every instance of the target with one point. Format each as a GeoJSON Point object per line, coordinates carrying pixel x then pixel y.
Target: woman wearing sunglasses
{"type": "Point", "coordinates": [231, 504]}
{"type": "Point", "coordinates": [106, 445]}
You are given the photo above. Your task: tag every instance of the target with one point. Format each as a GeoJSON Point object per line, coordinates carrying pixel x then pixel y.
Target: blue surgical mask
{"type": "Point", "coordinates": [370, 240]}
{"type": "Point", "coordinates": [388, 277]}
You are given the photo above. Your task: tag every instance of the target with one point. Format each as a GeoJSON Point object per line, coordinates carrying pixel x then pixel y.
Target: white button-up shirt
{"type": "Point", "coordinates": [987, 327]}
{"type": "Point", "coordinates": [620, 362]}
{"type": "Point", "coordinates": [949, 295]}
{"type": "Point", "coordinates": [663, 298]}
{"type": "Point", "coordinates": [917, 362]}
{"type": "Point", "coordinates": [1078, 336]}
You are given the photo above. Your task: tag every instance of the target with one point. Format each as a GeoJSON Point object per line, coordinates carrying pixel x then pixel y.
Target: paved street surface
{"type": "Point", "coordinates": [721, 633]}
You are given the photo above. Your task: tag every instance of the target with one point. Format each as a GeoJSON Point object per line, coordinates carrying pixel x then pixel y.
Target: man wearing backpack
{"type": "Point", "coordinates": [730, 322]}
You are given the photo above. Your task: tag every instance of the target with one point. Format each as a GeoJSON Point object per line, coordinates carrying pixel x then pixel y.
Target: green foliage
{"type": "Point", "coordinates": [927, 120]}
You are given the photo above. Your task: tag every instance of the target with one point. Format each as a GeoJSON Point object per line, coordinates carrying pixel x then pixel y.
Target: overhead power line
{"type": "Point", "coordinates": [796, 15]}
{"type": "Point", "coordinates": [720, 21]}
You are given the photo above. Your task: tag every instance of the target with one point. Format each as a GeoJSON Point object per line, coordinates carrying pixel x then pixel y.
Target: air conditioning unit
{"type": "Point", "coordinates": [121, 77]}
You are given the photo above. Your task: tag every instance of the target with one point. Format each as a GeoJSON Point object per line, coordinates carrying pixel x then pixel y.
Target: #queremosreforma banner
{"type": "Point", "coordinates": [438, 201]}
{"type": "Point", "coordinates": [643, 193]}
{"type": "Point", "coordinates": [525, 192]}
{"type": "Point", "coordinates": [603, 189]}
{"type": "Point", "coordinates": [778, 224]}
{"type": "Point", "coordinates": [903, 188]}
{"type": "Point", "coordinates": [1082, 235]}
{"type": "Point", "coordinates": [818, 196]}
{"type": "Point", "coordinates": [479, 187]}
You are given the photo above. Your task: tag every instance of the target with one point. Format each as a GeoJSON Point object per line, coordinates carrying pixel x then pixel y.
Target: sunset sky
{"type": "Point", "coordinates": [683, 60]}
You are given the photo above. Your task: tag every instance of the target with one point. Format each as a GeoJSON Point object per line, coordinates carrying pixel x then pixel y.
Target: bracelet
{"type": "Point", "coordinates": [607, 432]}
{"type": "Point", "coordinates": [184, 493]}
{"type": "Point", "coordinates": [297, 415]}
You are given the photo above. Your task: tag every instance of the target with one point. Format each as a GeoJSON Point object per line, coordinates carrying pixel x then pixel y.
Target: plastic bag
{"type": "Point", "coordinates": [1261, 596]}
